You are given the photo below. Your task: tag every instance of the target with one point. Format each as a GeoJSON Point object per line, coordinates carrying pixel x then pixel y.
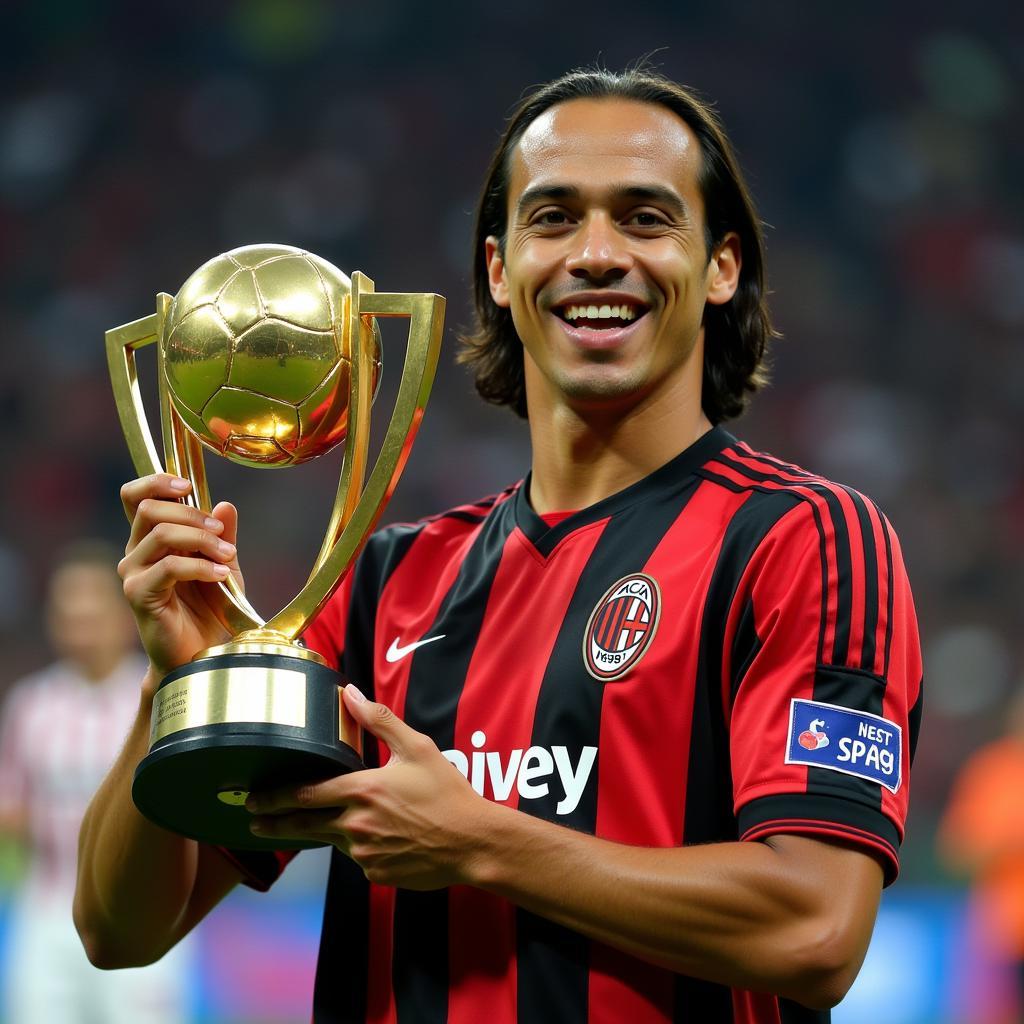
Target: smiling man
{"type": "Point", "coordinates": [643, 722]}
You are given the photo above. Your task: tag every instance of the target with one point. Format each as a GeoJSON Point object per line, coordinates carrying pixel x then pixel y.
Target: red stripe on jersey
{"type": "Point", "coordinates": [482, 938]}
{"type": "Point", "coordinates": [785, 666]}
{"type": "Point", "coordinates": [755, 1008]}
{"type": "Point", "coordinates": [791, 482]}
{"type": "Point", "coordinates": [858, 556]}
{"type": "Point", "coordinates": [878, 529]}
{"type": "Point", "coordinates": [413, 608]}
{"type": "Point", "coordinates": [646, 719]}
{"type": "Point", "coordinates": [326, 633]}
{"type": "Point", "coordinates": [905, 672]}
{"type": "Point", "coordinates": [380, 996]}
{"type": "Point", "coordinates": [623, 988]}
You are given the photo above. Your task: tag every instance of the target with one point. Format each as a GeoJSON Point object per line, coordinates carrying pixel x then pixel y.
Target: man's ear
{"type": "Point", "coordinates": [724, 270]}
{"type": "Point", "coordinates": [496, 271]}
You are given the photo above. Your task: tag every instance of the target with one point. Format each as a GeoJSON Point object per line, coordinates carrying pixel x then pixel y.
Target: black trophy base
{"type": "Point", "coordinates": [208, 753]}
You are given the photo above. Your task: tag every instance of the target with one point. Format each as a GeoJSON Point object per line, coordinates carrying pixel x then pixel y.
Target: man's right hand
{"type": "Point", "coordinates": [173, 555]}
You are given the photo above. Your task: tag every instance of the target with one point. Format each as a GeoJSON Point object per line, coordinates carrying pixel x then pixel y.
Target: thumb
{"type": "Point", "coordinates": [380, 721]}
{"type": "Point", "coordinates": [228, 515]}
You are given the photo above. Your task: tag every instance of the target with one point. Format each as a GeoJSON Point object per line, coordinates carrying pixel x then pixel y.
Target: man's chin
{"type": "Point", "coordinates": [602, 392]}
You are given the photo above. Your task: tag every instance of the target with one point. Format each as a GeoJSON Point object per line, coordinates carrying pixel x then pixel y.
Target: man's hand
{"type": "Point", "coordinates": [173, 555]}
{"type": "Point", "coordinates": [409, 824]}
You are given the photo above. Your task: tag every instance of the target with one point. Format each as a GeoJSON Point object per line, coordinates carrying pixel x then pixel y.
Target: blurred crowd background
{"type": "Point", "coordinates": [883, 144]}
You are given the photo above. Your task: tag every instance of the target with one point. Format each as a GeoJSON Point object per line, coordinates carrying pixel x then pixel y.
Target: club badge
{"type": "Point", "coordinates": [621, 627]}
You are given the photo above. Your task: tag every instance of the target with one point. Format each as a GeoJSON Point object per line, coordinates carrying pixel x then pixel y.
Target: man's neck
{"type": "Point", "coordinates": [579, 459]}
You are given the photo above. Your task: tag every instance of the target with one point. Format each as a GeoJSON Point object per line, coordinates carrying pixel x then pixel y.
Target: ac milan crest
{"type": "Point", "coordinates": [622, 626]}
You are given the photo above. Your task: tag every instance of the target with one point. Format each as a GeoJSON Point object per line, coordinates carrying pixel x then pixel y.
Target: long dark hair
{"type": "Point", "coordinates": [736, 333]}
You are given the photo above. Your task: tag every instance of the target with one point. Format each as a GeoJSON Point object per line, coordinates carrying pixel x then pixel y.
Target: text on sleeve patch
{"type": "Point", "coordinates": [842, 740]}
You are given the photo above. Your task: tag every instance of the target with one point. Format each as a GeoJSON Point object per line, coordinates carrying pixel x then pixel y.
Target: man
{"type": "Point", "coordinates": [679, 681]}
{"type": "Point", "coordinates": [61, 729]}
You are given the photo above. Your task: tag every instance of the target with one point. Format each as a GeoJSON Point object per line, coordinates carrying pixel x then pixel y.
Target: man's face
{"type": "Point", "coordinates": [605, 267]}
{"type": "Point", "coordinates": [88, 618]}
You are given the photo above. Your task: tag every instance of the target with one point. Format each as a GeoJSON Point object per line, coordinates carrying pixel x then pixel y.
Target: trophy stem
{"type": "Point", "coordinates": [426, 314]}
{"type": "Point", "coordinates": [353, 469]}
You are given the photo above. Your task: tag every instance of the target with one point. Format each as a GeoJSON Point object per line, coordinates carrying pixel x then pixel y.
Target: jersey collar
{"type": "Point", "coordinates": [675, 472]}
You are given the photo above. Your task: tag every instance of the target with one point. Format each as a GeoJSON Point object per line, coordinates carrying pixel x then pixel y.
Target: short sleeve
{"type": "Point", "coordinates": [825, 676]}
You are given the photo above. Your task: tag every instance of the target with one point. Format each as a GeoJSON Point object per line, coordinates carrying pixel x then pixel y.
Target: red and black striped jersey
{"type": "Point", "coordinates": [723, 651]}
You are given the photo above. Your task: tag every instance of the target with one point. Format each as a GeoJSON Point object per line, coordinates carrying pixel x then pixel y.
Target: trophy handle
{"type": "Point", "coordinates": [356, 510]}
{"type": "Point", "coordinates": [183, 453]}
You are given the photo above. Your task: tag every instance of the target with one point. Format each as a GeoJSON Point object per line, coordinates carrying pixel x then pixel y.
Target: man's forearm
{"type": "Point", "coordinates": [748, 915]}
{"type": "Point", "coordinates": [134, 878]}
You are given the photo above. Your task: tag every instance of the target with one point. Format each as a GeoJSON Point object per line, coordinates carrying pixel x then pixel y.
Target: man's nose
{"type": "Point", "coordinates": [598, 250]}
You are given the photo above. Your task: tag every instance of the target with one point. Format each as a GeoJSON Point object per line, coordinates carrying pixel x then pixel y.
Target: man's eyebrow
{"type": "Point", "coordinates": [658, 194]}
{"type": "Point", "coordinates": [546, 194]}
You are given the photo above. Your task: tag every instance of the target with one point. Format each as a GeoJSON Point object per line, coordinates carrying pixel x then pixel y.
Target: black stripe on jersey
{"type": "Point", "coordinates": [736, 488]}
{"type": "Point", "coordinates": [867, 651]}
{"type": "Point", "coordinates": [745, 645]}
{"type": "Point", "coordinates": [861, 691]}
{"type": "Point", "coordinates": [709, 804]}
{"type": "Point", "coordinates": [794, 1013]}
{"type": "Point", "coordinates": [339, 997]}
{"type": "Point", "coordinates": [462, 516]}
{"type": "Point", "coordinates": [891, 588]}
{"type": "Point", "coordinates": [914, 719]}
{"type": "Point", "coordinates": [844, 559]}
{"type": "Point", "coordinates": [784, 467]}
{"type": "Point", "coordinates": [844, 573]}
{"type": "Point", "coordinates": [419, 970]}
{"type": "Point", "coordinates": [831, 810]}
{"type": "Point", "coordinates": [552, 961]}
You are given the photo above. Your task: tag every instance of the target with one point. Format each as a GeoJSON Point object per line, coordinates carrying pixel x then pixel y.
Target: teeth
{"type": "Point", "coordinates": [623, 312]}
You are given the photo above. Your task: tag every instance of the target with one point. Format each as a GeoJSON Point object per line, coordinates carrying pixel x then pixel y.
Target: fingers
{"type": "Point", "coordinates": [172, 542]}
{"type": "Point", "coordinates": [334, 793]}
{"type": "Point", "coordinates": [317, 825]}
{"type": "Point", "coordinates": [402, 740]}
{"type": "Point", "coordinates": [148, 587]}
{"type": "Point", "coordinates": [158, 485]}
{"type": "Point", "coordinates": [226, 514]}
{"type": "Point", "coordinates": [167, 538]}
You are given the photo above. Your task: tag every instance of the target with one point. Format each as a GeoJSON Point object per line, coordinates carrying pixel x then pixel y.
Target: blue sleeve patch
{"type": "Point", "coordinates": [852, 742]}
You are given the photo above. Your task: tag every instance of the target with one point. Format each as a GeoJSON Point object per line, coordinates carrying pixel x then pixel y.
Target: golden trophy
{"type": "Point", "coordinates": [269, 356]}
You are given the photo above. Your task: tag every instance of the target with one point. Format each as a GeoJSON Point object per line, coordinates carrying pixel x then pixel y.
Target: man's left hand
{"type": "Point", "coordinates": [410, 823]}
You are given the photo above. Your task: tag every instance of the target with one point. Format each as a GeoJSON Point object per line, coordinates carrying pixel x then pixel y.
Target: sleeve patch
{"type": "Point", "coordinates": [852, 742]}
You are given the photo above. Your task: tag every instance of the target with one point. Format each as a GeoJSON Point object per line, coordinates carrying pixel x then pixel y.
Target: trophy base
{"type": "Point", "coordinates": [231, 724]}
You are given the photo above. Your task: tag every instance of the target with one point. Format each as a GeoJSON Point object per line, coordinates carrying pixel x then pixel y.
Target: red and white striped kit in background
{"type": "Point", "coordinates": [60, 734]}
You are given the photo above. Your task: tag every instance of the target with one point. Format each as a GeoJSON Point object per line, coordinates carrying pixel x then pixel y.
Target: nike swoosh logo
{"type": "Point", "coordinates": [396, 652]}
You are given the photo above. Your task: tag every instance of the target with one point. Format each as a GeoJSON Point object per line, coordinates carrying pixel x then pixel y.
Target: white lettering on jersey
{"type": "Point", "coordinates": [531, 771]}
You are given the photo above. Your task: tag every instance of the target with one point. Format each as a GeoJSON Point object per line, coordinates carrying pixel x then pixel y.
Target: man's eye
{"type": "Point", "coordinates": [647, 219]}
{"type": "Point", "coordinates": [552, 218]}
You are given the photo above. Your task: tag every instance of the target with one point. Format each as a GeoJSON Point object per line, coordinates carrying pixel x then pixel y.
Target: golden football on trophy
{"type": "Point", "coordinates": [257, 360]}
{"type": "Point", "coordinates": [269, 356]}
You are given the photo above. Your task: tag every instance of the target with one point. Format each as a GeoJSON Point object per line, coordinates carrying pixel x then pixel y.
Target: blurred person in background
{"type": "Point", "coordinates": [982, 837]}
{"type": "Point", "coordinates": [61, 729]}
{"type": "Point", "coordinates": [679, 680]}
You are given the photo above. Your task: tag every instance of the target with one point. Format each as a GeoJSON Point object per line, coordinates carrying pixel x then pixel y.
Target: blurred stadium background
{"type": "Point", "coordinates": [883, 144]}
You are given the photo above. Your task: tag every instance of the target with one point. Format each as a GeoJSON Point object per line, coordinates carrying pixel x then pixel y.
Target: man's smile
{"type": "Point", "coordinates": [605, 318]}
